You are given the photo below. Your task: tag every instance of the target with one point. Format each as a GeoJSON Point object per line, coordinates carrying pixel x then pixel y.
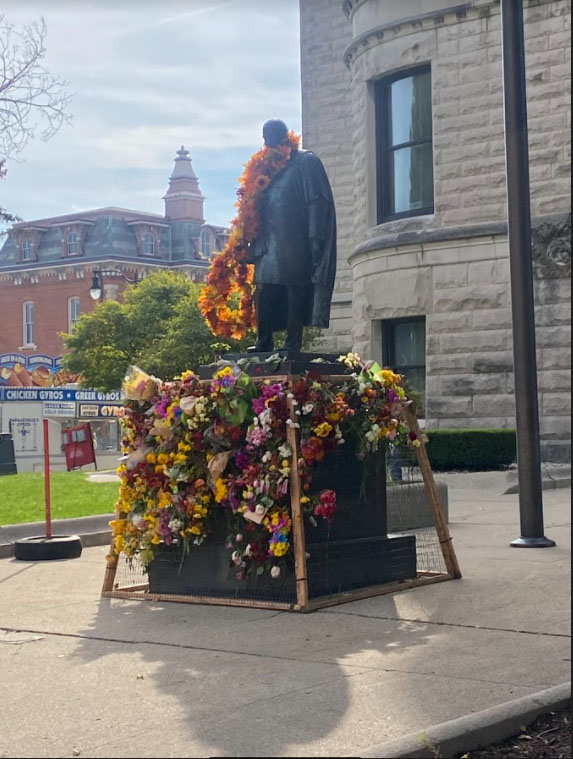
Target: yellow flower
{"type": "Point", "coordinates": [323, 430]}
{"type": "Point", "coordinates": [151, 458]}
{"type": "Point", "coordinates": [118, 543]}
{"type": "Point", "coordinates": [221, 490]}
{"type": "Point", "coordinates": [225, 372]}
{"type": "Point", "coordinates": [163, 458]}
{"type": "Point", "coordinates": [156, 540]}
{"type": "Point", "coordinates": [279, 549]}
{"type": "Point", "coordinates": [305, 499]}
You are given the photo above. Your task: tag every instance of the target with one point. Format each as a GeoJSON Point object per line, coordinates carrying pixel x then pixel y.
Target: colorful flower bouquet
{"type": "Point", "coordinates": [196, 449]}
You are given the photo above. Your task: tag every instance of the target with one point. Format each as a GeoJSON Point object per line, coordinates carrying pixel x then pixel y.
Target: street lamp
{"type": "Point", "coordinates": [96, 289]}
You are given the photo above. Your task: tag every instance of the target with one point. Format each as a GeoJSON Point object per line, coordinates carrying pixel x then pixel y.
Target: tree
{"type": "Point", "coordinates": [28, 91]}
{"type": "Point", "coordinates": [158, 327]}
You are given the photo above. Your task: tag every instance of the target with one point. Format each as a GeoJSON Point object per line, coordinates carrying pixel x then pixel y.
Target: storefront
{"type": "Point", "coordinates": [23, 409]}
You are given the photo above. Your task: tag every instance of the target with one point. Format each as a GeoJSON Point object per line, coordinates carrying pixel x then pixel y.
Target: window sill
{"type": "Point", "coordinates": [28, 347]}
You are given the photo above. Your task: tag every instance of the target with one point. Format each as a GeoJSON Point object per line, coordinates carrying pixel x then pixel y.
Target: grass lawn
{"type": "Point", "coordinates": [22, 496]}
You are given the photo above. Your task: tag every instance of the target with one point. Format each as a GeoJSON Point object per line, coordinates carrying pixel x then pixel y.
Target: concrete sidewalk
{"type": "Point", "coordinates": [111, 678]}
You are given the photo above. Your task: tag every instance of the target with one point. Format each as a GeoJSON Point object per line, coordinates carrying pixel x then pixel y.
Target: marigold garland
{"type": "Point", "coordinates": [229, 274]}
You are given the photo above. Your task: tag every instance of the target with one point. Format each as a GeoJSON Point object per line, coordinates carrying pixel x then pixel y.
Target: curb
{"type": "Point", "coordinates": [475, 731]}
{"type": "Point", "coordinates": [93, 531]}
{"type": "Point", "coordinates": [562, 482]}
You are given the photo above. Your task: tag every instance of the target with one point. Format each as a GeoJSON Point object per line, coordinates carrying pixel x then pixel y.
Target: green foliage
{"type": "Point", "coordinates": [158, 327]}
{"type": "Point", "coordinates": [471, 449]}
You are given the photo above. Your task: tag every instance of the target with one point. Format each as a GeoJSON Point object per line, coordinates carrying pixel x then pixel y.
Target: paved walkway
{"type": "Point", "coordinates": [91, 677]}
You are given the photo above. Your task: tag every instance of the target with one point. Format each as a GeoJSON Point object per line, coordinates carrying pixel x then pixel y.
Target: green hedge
{"type": "Point", "coordinates": [471, 449]}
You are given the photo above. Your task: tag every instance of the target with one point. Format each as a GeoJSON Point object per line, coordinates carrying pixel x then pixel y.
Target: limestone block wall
{"type": "Point", "coordinates": [464, 49]}
{"type": "Point", "coordinates": [462, 287]}
{"type": "Point", "coordinates": [327, 129]}
{"type": "Point", "coordinates": [452, 266]}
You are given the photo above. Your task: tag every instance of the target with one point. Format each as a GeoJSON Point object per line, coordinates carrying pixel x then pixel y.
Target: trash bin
{"type": "Point", "coordinates": [7, 456]}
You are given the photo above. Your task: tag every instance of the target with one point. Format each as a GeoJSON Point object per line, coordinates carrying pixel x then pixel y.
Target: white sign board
{"type": "Point", "coordinates": [59, 408]}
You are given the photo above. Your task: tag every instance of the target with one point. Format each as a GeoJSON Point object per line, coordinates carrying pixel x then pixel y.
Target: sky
{"type": "Point", "coordinates": [148, 76]}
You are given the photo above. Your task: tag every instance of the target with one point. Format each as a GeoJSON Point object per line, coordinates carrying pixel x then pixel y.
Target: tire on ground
{"type": "Point", "coordinates": [47, 549]}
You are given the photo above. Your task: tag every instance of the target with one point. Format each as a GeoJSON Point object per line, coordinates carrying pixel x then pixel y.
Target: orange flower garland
{"type": "Point", "coordinates": [229, 274]}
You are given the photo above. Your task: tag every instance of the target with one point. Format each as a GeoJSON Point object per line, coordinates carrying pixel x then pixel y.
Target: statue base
{"type": "Point", "coordinates": [279, 362]}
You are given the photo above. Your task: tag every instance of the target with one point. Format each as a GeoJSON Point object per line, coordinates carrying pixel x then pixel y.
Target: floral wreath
{"type": "Point", "coordinates": [229, 274]}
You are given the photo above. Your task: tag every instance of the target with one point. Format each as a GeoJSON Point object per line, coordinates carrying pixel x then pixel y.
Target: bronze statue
{"type": "Point", "coordinates": [294, 252]}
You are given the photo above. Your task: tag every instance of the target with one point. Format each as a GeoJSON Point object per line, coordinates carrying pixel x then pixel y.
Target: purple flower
{"type": "Point", "coordinates": [161, 407]}
{"type": "Point", "coordinates": [393, 396]}
{"type": "Point", "coordinates": [258, 405]}
{"type": "Point", "coordinates": [242, 460]}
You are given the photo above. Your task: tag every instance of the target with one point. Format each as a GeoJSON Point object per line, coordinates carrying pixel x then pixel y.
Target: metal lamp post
{"type": "Point", "coordinates": [96, 288]}
{"type": "Point", "coordinates": [521, 270]}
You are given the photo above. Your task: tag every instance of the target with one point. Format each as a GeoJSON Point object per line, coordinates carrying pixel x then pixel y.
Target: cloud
{"type": "Point", "coordinates": [148, 77]}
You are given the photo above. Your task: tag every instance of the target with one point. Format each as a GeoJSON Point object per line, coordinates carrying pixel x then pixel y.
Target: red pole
{"type": "Point", "coordinates": [47, 481]}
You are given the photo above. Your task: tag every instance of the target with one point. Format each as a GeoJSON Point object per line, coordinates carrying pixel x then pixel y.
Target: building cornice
{"type": "Point", "coordinates": [415, 24]}
{"type": "Point", "coordinates": [147, 223]}
{"type": "Point", "coordinates": [79, 268]}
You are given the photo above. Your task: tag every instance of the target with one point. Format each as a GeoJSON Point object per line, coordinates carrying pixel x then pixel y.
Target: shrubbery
{"type": "Point", "coordinates": [471, 449]}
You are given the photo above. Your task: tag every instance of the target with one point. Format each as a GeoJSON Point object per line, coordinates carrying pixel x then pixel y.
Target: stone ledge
{"type": "Point", "coordinates": [444, 234]}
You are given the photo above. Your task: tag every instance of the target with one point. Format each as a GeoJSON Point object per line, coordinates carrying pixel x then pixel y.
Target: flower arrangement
{"type": "Point", "coordinates": [230, 278]}
{"type": "Point", "coordinates": [199, 448]}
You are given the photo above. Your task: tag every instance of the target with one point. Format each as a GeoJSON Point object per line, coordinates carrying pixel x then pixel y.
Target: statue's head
{"type": "Point", "coordinates": [275, 132]}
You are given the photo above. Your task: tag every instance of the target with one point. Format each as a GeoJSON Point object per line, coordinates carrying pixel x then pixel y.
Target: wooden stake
{"type": "Point", "coordinates": [299, 545]}
{"type": "Point", "coordinates": [433, 499]}
{"type": "Point", "coordinates": [110, 571]}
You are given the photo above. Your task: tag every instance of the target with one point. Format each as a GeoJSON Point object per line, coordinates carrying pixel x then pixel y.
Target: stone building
{"type": "Point", "coordinates": [47, 265]}
{"type": "Point", "coordinates": [403, 102]}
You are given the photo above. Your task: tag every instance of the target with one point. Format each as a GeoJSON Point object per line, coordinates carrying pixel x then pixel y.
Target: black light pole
{"type": "Point", "coordinates": [521, 269]}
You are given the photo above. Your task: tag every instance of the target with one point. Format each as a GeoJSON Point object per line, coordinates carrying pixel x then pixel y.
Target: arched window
{"type": "Point", "coordinates": [73, 244]}
{"type": "Point", "coordinates": [26, 250]}
{"type": "Point", "coordinates": [73, 312]}
{"type": "Point", "coordinates": [149, 244]}
{"type": "Point", "coordinates": [206, 244]}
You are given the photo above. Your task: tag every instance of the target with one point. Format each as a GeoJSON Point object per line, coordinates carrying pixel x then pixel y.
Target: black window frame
{"type": "Point", "coordinates": [384, 149]}
{"type": "Point", "coordinates": [389, 346]}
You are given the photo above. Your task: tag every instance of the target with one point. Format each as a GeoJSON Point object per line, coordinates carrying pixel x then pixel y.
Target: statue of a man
{"type": "Point", "coordinates": [295, 250]}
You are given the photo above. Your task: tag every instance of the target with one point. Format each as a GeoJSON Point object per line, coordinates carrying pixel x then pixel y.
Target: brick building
{"type": "Point", "coordinates": [403, 102]}
{"type": "Point", "coordinates": [47, 265]}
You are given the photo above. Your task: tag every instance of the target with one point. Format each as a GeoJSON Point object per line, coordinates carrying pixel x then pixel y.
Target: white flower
{"type": "Point", "coordinates": [248, 550]}
{"type": "Point", "coordinates": [267, 457]}
{"type": "Point", "coordinates": [285, 451]}
{"type": "Point", "coordinates": [373, 433]}
{"type": "Point", "coordinates": [307, 408]}
{"type": "Point", "coordinates": [260, 509]}
{"type": "Point", "coordinates": [275, 572]}
{"type": "Point", "coordinates": [292, 424]}
{"type": "Point", "coordinates": [175, 525]}
{"type": "Point", "coordinates": [239, 538]}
